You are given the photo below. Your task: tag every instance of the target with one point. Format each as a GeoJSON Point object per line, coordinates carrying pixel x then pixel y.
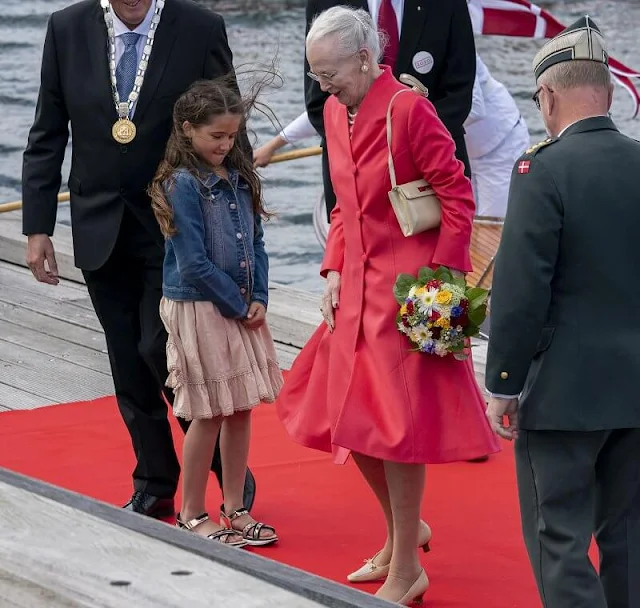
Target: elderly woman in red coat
{"type": "Point", "coordinates": [357, 388]}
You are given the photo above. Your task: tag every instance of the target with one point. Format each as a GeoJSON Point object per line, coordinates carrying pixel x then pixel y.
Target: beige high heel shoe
{"type": "Point", "coordinates": [375, 572]}
{"type": "Point", "coordinates": [416, 591]}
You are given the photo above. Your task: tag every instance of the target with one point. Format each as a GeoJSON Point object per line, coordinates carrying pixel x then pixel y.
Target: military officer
{"type": "Point", "coordinates": [564, 363]}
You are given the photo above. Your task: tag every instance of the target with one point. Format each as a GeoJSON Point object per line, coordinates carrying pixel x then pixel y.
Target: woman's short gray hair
{"type": "Point", "coordinates": [353, 28]}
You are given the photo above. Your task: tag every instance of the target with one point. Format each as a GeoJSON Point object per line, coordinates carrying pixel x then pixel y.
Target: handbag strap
{"type": "Point", "coordinates": [392, 171]}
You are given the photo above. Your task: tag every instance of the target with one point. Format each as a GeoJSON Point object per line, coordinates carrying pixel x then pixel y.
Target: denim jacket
{"type": "Point", "coordinates": [217, 253]}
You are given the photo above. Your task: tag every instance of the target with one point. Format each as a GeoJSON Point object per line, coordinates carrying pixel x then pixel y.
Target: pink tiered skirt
{"type": "Point", "coordinates": [217, 366]}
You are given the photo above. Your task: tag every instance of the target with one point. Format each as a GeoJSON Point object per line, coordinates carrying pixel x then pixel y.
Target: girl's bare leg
{"type": "Point", "coordinates": [199, 443]}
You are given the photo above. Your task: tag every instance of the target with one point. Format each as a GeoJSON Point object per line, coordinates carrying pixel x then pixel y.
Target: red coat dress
{"type": "Point", "coordinates": [360, 388]}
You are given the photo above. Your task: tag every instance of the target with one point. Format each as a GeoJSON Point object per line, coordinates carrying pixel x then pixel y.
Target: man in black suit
{"type": "Point", "coordinates": [563, 362]}
{"type": "Point", "coordinates": [431, 40]}
{"type": "Point", "coordinates": [113, 70]}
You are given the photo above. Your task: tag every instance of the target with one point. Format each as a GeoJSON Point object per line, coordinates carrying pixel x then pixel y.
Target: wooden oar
{"type": "Point", "coordinates": [63, 197]}
{"type": "Point", "coordinates": [296, 154]}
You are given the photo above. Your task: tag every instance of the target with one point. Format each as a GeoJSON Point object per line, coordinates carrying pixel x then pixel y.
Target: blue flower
{"type": "Point", "coordinates": [429, 347]}
{"type": "Point", "coordinates": [456, 311]}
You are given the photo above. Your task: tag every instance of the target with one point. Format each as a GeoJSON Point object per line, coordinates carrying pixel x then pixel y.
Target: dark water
{"type": "Point", "coordinates": [256, 37]}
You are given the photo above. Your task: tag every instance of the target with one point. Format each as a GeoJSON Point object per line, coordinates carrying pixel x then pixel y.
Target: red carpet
{"type": "Point", "coordinates": [326, 519]}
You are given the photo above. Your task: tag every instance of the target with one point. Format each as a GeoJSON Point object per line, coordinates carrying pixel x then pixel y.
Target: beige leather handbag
{"type": "Point", "coordinates": [415, 204]}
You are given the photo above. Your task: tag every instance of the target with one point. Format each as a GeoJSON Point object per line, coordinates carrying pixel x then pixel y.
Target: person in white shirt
{"type": "Point", "coordinates": [496, 136]}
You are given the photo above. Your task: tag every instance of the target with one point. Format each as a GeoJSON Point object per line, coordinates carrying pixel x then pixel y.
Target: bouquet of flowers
{"type": "Point", "coordinates": [438, 312]}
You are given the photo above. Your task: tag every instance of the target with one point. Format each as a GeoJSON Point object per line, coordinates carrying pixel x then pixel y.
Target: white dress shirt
{"type": "Point", "coordinates": [398, 7]}
{"type": "Point", "coordinates": [143, 29]}
{"type": "Point", "coordinates": [298, 129]}
{"type": "Point", "coordinates": [493, 114]}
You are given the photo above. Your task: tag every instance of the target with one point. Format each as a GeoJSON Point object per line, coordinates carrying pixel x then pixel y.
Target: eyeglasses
{"type": "Point", "coordinates": [322, 76]}
{"type": "Point", "coordinates": [536, 98]}
{"type": "Point", "coordinates": [536, 95]}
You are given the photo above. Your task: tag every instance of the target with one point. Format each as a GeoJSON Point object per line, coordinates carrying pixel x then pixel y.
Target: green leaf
{"type": "Point", "coordinates": [403, 284]}
{"type": "Point", "coordinates": [460, 356]}
{"type": "Point", "coordinates": [478, 315]}
{"type": "Point", "coordinates": [477, 297]}
{"type": "Point", "coordinates": [443, 274]}
{"type": "Point", "coordinates": [460, 281]}
{"type": "Point", "coordinates": [425, 275]}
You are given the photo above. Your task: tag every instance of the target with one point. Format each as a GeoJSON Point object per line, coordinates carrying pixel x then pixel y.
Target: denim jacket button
{"type": "Point", "coordinates": [243, 264]}
{"type": "Point", "coordinates": [239, 235]}
{"type": "Point", "coordinates": [232, 206]}
{"type": "Point", "coordinates": [243, 290]}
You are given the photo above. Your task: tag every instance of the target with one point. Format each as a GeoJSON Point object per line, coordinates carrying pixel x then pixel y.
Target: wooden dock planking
{"type": "Point", "coordinates": [12, 398]}
{"type": "Point", "coordinates": [53, 379]}
{"type": "Point", "coordinates": [13, 245]}
{"type": "Point", "coordinates": [54, 556]}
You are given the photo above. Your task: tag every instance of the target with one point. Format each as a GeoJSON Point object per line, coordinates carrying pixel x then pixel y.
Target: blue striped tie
{"type": "Point", "coordinates": [127, 66]}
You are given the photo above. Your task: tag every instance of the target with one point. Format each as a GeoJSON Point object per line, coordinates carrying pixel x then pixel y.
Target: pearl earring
{"type": "Point", "coordinates": [365, 68]}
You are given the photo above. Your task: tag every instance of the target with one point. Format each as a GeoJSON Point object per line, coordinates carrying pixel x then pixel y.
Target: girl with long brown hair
{"type": "Point", "coordinates": [207, 199]}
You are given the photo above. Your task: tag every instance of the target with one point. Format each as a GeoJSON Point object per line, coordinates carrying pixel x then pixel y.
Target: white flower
{"type": "Point", "coordinates": [441, 349]}
{"type": "Point", "coordinates": [427, 300]}
{"type": "Point", "coordinates": [420, 334]}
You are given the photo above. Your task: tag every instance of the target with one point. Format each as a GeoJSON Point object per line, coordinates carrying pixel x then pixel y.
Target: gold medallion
{"type": "Point", "coordinates": [123, 131]}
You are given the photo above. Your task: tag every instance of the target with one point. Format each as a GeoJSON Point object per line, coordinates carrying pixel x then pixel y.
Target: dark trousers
{"type": "Point", "coordinates": [126, 293]}
{"type": "Point", "coordinates": [573, 485]}
{"type": "Point", "coordinates": [330, 195]}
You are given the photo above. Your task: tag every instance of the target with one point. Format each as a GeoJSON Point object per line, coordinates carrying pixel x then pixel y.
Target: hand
{"type": "Point", "coordinates": [262, 156]}
{"type": "Point", "coordinates": [256, 315]}
{"type": "Point", "coordinates": [331, 298]}
{"type": "Point", "coordinates": [497, 409]}
{"type": "Point", "coordinates": [39, 250]}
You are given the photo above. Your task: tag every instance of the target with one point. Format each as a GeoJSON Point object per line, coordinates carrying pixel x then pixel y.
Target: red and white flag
{"type": "Point", "coordinates": [525, 19]}
{"type": "Point", "coordinates": [523, 166]}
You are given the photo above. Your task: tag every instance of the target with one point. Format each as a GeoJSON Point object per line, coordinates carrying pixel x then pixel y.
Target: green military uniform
{"type": "Point", "coordinates": [565, 336]}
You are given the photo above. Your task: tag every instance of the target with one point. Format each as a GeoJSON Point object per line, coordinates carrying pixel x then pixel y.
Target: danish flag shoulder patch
{"type": "Point", "coordinates": [523, 166]}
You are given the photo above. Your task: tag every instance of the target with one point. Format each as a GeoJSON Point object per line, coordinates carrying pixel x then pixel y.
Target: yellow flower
{"type": "Point", "coordinates": [420, 291]}
{"type": "Point", "coordinates": [444, 297]}
{"type": "Point", "coordinates": [403, 309]}
{"type": "Point", "coordinates": [442, 322]}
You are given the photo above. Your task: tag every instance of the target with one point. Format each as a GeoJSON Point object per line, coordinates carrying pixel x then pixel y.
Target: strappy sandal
{"type": "Point", "coordinates": [251, 532]}
{"type": "Point", "coordinates": [220, 536]}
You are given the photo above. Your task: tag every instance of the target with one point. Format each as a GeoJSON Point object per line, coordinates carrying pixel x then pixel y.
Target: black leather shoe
{"type": "Point", "coordinates": [249, 494]}
{"type": "Point", "coordinates": [249, 490]}
{"type": "Point", "coordinates": [479, 459]}
{"type": "Point", "coordinates": [149, 505]}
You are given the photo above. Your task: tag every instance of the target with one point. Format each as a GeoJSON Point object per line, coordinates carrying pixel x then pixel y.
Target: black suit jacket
{"type": "Point", "coordinates": [190, 44]}
{"type": "Point", "coordinates": [564, 326]}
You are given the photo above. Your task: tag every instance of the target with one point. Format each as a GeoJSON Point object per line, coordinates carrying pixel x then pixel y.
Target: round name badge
{"type": "Point", "coordinates": [422, 62]}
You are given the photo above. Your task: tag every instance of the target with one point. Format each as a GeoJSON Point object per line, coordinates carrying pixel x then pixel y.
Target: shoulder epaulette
{"type": "Point", "coordinates": [541, 144]}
